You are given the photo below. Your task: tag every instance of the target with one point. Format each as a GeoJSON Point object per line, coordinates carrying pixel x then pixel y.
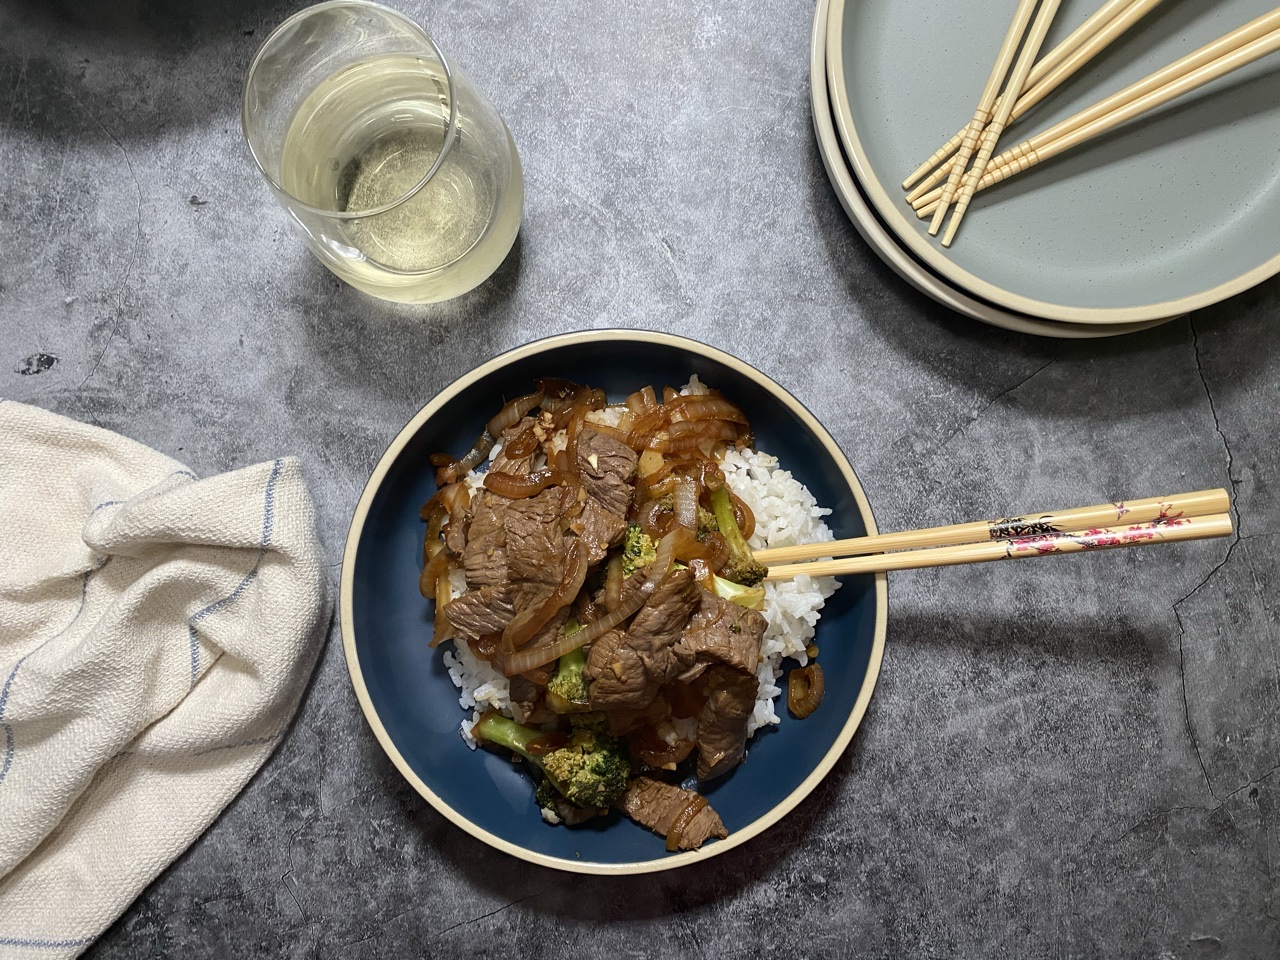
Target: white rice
{"type": "Point", "coordinates": [786, 513]}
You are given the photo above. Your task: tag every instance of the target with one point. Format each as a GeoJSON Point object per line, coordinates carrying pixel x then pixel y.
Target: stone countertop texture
{"type": "Point", "coordinates": [1072, 758]}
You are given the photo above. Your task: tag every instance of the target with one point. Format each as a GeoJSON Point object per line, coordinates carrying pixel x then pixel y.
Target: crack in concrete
{"type": "Point", "coordinates": [1217, 424]}
{"type": "Point", "coordinates": [485, 916]}
{"type": "Point", "coordinates": [994, 400]}
{"type": "Point", "coordinates": [1235, 539]}
{"type": "Point", "coordinates": [1206, 811]}
{"type": "Point", "coordinates": [1148, 818]}
{"type": "Point", "coordinates": [1252, 783]}
{"type": "Point", "coordinates": [284, 882]}
{"type": "Point", "coordinates": [1182, 667]}
{"type": "Point", "coordinates": [378, 933]}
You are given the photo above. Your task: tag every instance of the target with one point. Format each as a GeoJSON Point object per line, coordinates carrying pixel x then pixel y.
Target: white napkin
{"type": "Point", "coordinates": [156, 634]}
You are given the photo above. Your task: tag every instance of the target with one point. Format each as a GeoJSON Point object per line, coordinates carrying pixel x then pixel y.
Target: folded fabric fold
{"type": "Point", "coordinates": [156, 633]}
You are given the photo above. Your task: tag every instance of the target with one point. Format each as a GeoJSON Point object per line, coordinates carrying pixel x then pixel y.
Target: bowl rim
{"type": "Point", "coordinates": [347, 625]}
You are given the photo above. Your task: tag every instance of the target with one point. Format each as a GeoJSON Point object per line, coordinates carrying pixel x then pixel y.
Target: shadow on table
{"type": "Point", "coordinates": [148, 22]}
{"type": "Point", "coordinates": [126, 69]}
{"type": "Point", "coordinates": [723, 878]}
{"type": "Point", "coordinates": [652, 895]}
{"type": "Point", "coordinates": [352, 333]}
{"type": "Point", "coordinates": [967, 351]}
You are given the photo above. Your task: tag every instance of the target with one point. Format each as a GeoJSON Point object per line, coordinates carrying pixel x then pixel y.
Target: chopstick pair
{"type": "Point", "coordinates": [1062, 62]}
{"type": "Point", "coordinates": [1189, 516]}
{"type": "Point", "coordinates": [993, 111]}
{"type": "Point", "coordinates": [1228, 53]}
{"type": "Point", "coordinates": [1225, 55]}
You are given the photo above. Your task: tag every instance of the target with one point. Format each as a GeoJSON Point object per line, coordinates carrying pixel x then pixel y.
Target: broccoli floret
{"type": "Point", "coordinates": [591, 770]}
{"type": "Point", "coordinates": [750, 597]}
{"type": "Point", "coordinates": [707, 522]}
{"type": "Point", "coordinates": [742, 566]}
{"type": "Point", "coordinates": [638, 550]}
{"type": "Point", "coordinates": [567, 688]}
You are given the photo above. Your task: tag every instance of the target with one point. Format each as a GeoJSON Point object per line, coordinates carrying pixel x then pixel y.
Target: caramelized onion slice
{"type": "Point", "coordinates": [686, 503]}
{"type": "Point", "coordinates": [805, 687]}
{"type": "Point", "coordinates": [689, 435]}
{"type": "Point", "coordinates": [442, 628]}
{"type": "Point", "coordinates": [519, 487]}
{"type": "Point", "coordinates": [613, 583]}
{"type": "Point", "coordinates": [509, 415]}
{"type": "Point", "coordinates": [705, 407]}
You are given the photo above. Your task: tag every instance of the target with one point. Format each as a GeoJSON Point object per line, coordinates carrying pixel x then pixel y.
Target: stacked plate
{"type": "Point", "coordinates": [1168, 214]}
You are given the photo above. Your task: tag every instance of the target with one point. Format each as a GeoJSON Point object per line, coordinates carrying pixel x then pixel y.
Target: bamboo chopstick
{"type": "Point", "coordinates": [991, 134]}
{"type": "Point", "coordinates": [1165, 531]}
{"type": "Point", "coordinates": [982, 114]}
{"type": "Point", "coordinates": [1228, 53]}
{"type": "Point", "coordinates": [1197, 504]}
{"type": "Point", "coordinates": [1051, 71]}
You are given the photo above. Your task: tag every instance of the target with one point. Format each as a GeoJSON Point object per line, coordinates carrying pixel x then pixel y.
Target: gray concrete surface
{"type": "Point", "coordinates": [1075, 757]}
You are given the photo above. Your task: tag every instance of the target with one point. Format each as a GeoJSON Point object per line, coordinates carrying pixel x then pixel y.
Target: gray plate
{"type": "Point", "coordinates": [886, 244]}
{"type": "Point", "coordinates": [1170, 213]}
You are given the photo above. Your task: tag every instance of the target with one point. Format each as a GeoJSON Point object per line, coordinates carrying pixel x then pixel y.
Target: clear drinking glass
{"type": "Point", "coordinates": [402, 177]}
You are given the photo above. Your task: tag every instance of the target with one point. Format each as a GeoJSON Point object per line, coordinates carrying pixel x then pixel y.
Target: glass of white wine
{"type": "Point", "coordinates": [403, 178]}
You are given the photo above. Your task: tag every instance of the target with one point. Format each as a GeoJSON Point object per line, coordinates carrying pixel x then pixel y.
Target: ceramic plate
{"type": "Point", "coordinates": [887, 246]}
{"type": "Point", "coordinates": [405, 691]}
{"type": "Point", "coordinates": [1170, 213]}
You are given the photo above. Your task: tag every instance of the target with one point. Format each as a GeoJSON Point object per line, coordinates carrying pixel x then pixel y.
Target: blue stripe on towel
{"type": "Point", "coordinates": [268, 522]}
{"type": "Point", "coordinates": [48, 944]}
{"type": "Point", "coordinates": [8, 684]}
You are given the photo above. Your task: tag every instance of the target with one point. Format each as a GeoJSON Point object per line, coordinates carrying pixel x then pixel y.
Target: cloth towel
{"type": "Point", "coordinates": [156, 633]}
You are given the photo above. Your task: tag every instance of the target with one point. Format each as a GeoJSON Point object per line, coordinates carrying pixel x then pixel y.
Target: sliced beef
{"type": "Point", "coordinates": [723, 632]}
{"type": "Point", "coordinates": [626, 672]}
{"type": "Point", "coordinates": [485, 556]}
{"type": "Point", "coordinates": [660, 622]}
{"type": "Point", "coordinates": [486, 609]}
{"type": "Point", "coordinates": [455, 536]}
{"type": "Point", "coordinates": [618, 677]}
{"type": "Point", "coordinates": [722, 726]}
{"type": "Point", "coordinates": [607, 468]}
{"type": "Point", "coordinates": [656, 805]}
{"type": "Point", "coordinates": [535, 545]}
{"type": "Point", "coordinates": [600, 529]}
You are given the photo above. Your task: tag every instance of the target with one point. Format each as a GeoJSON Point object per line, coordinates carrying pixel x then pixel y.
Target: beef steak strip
{"type": "Point", "coordinates": [627, 673]}
{"type": "Point", "coordinates": [722, 725]}
{"type": "Point", "coordinates": [486, 609]}
{"type": "Point", "coordinates": [618, 680]}
{"type": "Point", "coordinates": [535, 545]}
{"type": "Point", "coordinates": [455, 537]}
{"type": "Point", "coordinates": [656, 805]}
{"type": "Point", "coordinates": [484, 558]}
{"type": "Point", "coordinates": [723, 632]}
{"type": "Point", "coordinates": [607, 468]}
{"type": "Point", "coordinates": [661, 621]}
{"type": "Point", "coordinates": [600, 529]}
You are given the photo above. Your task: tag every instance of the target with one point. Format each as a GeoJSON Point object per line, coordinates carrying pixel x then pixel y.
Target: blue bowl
{"type": "Point", "coordinates": [412, 705]}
